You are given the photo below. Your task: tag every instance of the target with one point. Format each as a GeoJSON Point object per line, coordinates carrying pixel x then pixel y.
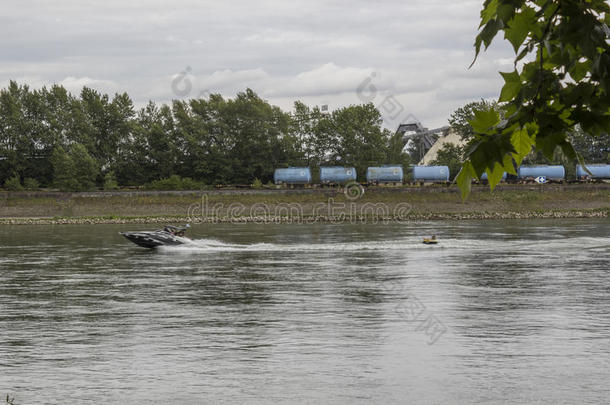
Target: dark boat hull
{"type": "Point", "coordinates": [154, 239]}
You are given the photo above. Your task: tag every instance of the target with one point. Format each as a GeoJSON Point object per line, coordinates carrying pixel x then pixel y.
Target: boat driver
{"type": "Point", "coordinates": [177, 231]}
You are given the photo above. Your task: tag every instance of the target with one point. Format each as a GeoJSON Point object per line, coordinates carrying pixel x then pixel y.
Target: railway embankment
{"type": "Point", "coordinates": [307, 205]}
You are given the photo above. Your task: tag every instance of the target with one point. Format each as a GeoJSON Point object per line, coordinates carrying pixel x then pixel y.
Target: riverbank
{"type": "Point", "coordinates": [307, 206]}
{"type": "Point", "coordinates": [306, 220]}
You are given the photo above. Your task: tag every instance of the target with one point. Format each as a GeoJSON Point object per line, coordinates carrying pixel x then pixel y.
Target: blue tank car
{"type": "Point", "coordinates": [337, 174]}
{"type": "Point", "coordinates": [430, 173]}
{"type": "Point", "coordinates": [292, 175]}
{"type": "Point", "coordinates": [597, 171]}
{"type": "Point", "coordinates": [484, 176]}
{"type": "Point", "coordinates": [384, 174]}
{"type": "Point", "coordinates": [550, 172]}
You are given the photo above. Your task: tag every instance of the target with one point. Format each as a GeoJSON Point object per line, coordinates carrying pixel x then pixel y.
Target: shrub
{"type": "Point", "coordinates": [257, 183]}
{"type": "Point", "coordinates": [13, 184]}
{"type": "Point", "coordinates": [190, 184]}
{"type": "Point", "coordinates": [86, 168]}
{"type": "Point", "coordinates": [110, 182]}
{"type": "Point", "coordinates": [63, 170]}
{"type": "Point", "coordinates": [175, 182]}
{"type": "Point", "coordinates": [31, 184]}
{"type": "Point", "coordinates": [75, 170]}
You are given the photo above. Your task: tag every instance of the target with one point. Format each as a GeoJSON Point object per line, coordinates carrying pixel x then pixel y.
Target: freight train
{"type": "Point", "coordinates": [394, 175]}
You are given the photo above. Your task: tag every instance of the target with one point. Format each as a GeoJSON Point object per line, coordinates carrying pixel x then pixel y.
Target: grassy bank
{"type": "Point", "coordinates": [308, 206]}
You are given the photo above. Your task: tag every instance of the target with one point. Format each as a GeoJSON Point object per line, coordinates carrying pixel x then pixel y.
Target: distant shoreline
{"type": "Point", "coordinates": [305, 206]}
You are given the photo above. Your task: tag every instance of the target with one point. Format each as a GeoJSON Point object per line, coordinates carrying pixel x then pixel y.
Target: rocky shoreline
{"type": "Point", "coordinates": [596, 213]}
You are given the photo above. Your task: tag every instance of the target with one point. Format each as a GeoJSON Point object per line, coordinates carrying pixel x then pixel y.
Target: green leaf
{"type": "Point", "coordinates": [494, 175]}
{"type": "Point", "coordinates": [526, 50]}
{"type": "Point", "coordinates": [511, 87]}
{"type": "Point", "coordinates": [484, 121]}
{"type": "Point", "coordinates": [519, 27]}
{"type": "Point", "coordinates": [508, 165]}
{"type": "Point", "coordinates": [480, 158]}
{"type": "Point", "coordinates": [549, 51]}
{"type": "Point", "coordinates": [490, 31]}
{"type": "Point", "coordinates": [522, 142]}
{"type": "Point", "coordinates": [464, 179]}
{"type": "Point", "coordinates": [489, 11]}
{"type": "Point", "coordinates": [492, 26]}
{"type": "Point", "coordinates": [580, 70]}
{"type": "Point", "coordinates": [549, 143]}
{"type": "Point", "coordinates": [477, 47]}
{"type": "Point", "coordinates": [592, 123]}
{"type": "Point", "coordinates": [564, 115]}
{"type": "Point", "coordinates": [505, 12]}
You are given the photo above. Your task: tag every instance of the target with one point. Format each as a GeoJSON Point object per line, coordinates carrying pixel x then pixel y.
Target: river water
{"type": "Point", "coordinates": [499, 312]}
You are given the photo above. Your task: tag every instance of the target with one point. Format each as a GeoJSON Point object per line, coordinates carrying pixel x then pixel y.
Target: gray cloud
{"type": "Point", "coordinates": [315, 51]}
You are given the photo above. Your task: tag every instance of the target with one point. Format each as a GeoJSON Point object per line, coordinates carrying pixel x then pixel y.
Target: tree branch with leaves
{"type": "Point", "coordinates": [560, 80]}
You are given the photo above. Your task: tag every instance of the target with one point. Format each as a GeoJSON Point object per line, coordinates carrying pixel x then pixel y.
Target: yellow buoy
{"type": "Point", "coordinates": [430, 241]}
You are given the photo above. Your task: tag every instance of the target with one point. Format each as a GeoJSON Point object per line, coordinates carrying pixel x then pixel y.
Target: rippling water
{"type": "Point", "coordinates": [498, 312]}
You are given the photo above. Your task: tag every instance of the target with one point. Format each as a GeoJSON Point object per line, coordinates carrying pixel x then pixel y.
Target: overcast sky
{"type": "Point", "coordinates": [410, 58]}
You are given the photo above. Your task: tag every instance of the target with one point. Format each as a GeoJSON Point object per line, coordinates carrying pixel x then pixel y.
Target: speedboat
{"type": "Point", "coordinates": [168, 236]}
{"type": "Point", "coordinates": [430, 241]}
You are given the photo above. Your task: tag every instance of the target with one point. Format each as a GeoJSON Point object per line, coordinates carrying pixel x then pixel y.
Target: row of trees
{"type": "Point", "coordinates": [49, 137]}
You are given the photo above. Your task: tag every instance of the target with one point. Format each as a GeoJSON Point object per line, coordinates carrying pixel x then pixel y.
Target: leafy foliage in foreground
{"type": "Point", "coordinates": [593, 149]}
{"type": "Point", "coordinates": [561, 79]}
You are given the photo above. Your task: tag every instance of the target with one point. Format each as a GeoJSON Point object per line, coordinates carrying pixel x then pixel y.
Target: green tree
{"type": "Point", "coordinates": [64, 170]}
{"type": "Point", "coordinates": [563, 81]}
{"type": "Point", "coordinates": [231, 141]}
{"type": "Point", "coordinates": [61, 115]}
{"type": "Point", "coordinates": [202, 139]}
{"type": "Point", "coordinates": [255, 132]}
{"type": "Point", "coordinates": [311, 129]}
{"type": "Point", "coordinates": [108, 125]}
{"type": "Point", "coordinates": [86, 167]}
{"type": "Point", "coordinates": [11, 162]}
{"type": "Point", "coordinates": [75, 170]}
{"type": "Point", "coordinates": [55, 138]}
{"type": "Point", "coordinates": [150, 151]}
{"type": "Point", "coordinates": [357, 138]}
{"type": "Point", "coordinates": [395, 151]}
{"type": "Point", "coordinates": [23, 133]}
{"type": "Point", "coordinates": [349, 136]}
